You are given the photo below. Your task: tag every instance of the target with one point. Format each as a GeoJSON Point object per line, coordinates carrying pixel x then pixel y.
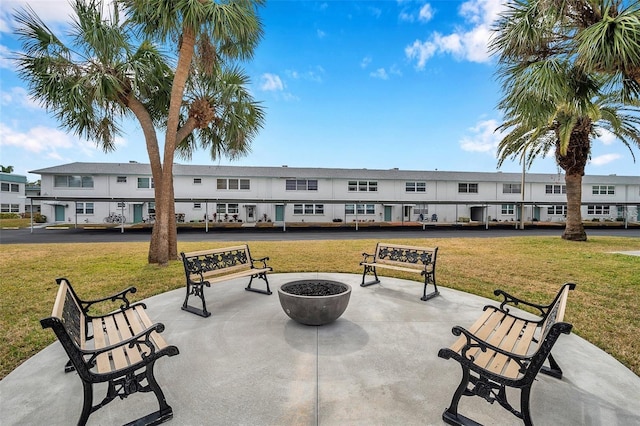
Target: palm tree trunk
{"type": "Point", "coordinates": [574, 230]}
{"type": "Point", "coordinates": [164, 241]}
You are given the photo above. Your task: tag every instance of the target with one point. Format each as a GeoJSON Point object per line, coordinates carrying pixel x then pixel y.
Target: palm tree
{"type": "Point", "coordinates": [558, 97]}
{"type": "Point", "coordinates": [6, 169]}
{"type": "Point", "coordinates": [106, 75]}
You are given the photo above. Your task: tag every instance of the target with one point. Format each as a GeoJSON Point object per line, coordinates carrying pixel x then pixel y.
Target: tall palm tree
{"type": "Point", "coordinates": [556, 94]}
{"type": "Point", "coordinates": [222, 31]}
{"type": "Point", "coordinates": [101, 74]}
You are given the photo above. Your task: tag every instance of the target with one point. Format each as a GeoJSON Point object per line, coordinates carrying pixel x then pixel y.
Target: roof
{"type": "Point", "coordinates": [8, 177]}
{"type": "Point", "coordinates": [283, 172]}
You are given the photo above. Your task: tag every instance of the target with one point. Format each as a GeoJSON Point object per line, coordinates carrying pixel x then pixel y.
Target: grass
{"type": "Point", "coordinates": [603, 308]}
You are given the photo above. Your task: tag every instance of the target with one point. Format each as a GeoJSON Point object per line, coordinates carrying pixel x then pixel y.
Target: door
{"type": "Point", "coordinates": [407, 212]}
{"type": "Point", "coordinates": [137, 213]}
{"type": "Point", "coordinates": [251, 214]}
{"type": "Point", "coordinates": [280, 213]}
{"type": "Point", "coordinates": [59, 213]}
{"type": "Point", "coordinates": [387, 213]}
{"type": "Point", "coordinates": [536, 213]}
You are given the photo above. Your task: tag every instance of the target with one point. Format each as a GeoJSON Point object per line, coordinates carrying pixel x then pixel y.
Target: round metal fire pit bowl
{"type": "Point", "coordinates": [314, 302]}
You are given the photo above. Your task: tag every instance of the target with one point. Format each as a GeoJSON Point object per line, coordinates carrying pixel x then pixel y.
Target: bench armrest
{"type": "Point", "coordinates": [366, 256]}
{"type": "Point", "coordinates": [514, 301]}
{"type": "Point", "coordinates": [474, 341]}
{"type": "Point", "coordinates": [86, 304]}
{"type": "Point", "coordinates": [262, 259]}
{"type": "Point", "coordinates": [142, 338]}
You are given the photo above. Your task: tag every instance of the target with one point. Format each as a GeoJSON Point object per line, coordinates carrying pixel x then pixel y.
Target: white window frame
{"type": "Point", "coordinates": [418, 186]}
{"type": "Point", "coordinates": [467, 188]}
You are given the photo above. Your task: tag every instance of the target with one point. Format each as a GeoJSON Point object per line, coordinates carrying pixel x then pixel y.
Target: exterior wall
{"type": "Point", "coordinates": [12, 194]}
{"type": "Point", "coordinates": [447, 196]}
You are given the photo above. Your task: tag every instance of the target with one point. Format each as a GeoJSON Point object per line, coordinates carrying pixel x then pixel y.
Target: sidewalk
{"type": "Point", "coordinates": [249, 364]}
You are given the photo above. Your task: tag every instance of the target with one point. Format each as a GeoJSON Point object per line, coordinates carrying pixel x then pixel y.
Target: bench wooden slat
{"type": "Point", "coordinates": [494, 337]}
{"type": "Point", "coordinates": [419, 267]}
{"type": "Point", "coordinates": [523, 347]}
{"type": "Point", "coordinates": [245, 273]}
{"type": "Point", "coordinates": [129, 326]}
{"type": "Point", "coordinates": [118, 355]}
{"type": "Point", "coordinates": [215, 251]}
{"type": "Point", "coordinates": [102, 360]}
{"type": "Point", "coordinates": [146, 321]}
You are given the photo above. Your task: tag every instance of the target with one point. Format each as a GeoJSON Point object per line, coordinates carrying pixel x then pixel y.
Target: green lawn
{"type": "Point", "coordinates": [603, 308]}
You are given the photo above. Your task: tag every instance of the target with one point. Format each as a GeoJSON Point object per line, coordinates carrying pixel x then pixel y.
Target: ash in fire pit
{"type": "Point", "coordinates": [314, 288]}
{"type": "Point", "coordinates": [314, 302]}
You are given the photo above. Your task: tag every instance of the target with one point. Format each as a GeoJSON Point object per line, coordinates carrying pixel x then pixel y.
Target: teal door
{"type": "Point", "coordinates": [280, 213]}
{"type": "Point", "coordinates": [387, 213]}
{"type": "Point", "coordinates": [59, 213]}
{"type": "Point", "coordinates": [137, 213]}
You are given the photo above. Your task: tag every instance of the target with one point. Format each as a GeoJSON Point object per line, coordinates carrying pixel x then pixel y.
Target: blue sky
{"type": "Point", "coordinates": [347, 84]}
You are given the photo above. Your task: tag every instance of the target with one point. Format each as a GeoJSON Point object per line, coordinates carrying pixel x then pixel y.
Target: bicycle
{"type": "Point", "coordinates": [115, 218]}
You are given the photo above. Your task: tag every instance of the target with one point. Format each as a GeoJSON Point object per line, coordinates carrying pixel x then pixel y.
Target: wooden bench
{"type": "Point", "coordinates": [420, 260]}
{"type": "Point", "coordinates": [206, 267]}
{"type": "Point", "coordinates": [506, 350]}
{"type": "Point", "coordinates": [120, 348]}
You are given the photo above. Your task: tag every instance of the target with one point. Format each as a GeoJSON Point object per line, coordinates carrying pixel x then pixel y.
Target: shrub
{"type": "Point", "coordinates": [9, 216]}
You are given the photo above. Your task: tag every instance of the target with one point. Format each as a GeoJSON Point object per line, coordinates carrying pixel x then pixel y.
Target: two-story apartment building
{"type": "Point", "coordinates": [12, 193]}
{"type": "Point", "coordinates": [89, 192]}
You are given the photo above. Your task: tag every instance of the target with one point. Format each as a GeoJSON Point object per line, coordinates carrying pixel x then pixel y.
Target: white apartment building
{"type": "Point", "coordinates": [89, 192]}
{"type": "Point", "coordinates": [12, 193]}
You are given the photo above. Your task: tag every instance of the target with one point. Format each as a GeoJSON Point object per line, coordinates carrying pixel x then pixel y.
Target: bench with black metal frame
{"type": "Point", "coordinates": [503, 350]}
{"type": "Point", "coordinates": [403, 258]}
{"type": "Point", "coordinates": [120, 348]}
{"type": "Point", "coordinates": [206, 267]}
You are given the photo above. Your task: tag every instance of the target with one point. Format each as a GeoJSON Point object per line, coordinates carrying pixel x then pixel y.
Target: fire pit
{"type": "Point", "coordinates": [314, 302]}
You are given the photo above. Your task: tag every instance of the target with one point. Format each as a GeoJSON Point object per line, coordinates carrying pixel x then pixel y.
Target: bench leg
{"type": "Point", "coordinates": [368, 269]}
{"type": "Point", "coordinates": [524, 405]}
{"type": "Point", "coordinates": [429, 277]}
{"type": "Point", "coordinates": [450, 415]}
{"type": "Point", "coordinates": [553, 369]}
{"type": "Point", "coordinates": [87, 405]}
{"type": "Point", "coordinates": [263, 276]}
{"type": "Point", "coordinates": [165, 412]}
{"type": "Point", "coordinates": [196, 290]}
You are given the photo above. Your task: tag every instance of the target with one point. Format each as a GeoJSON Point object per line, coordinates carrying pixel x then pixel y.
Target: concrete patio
{"type": "Point", "coordinates": [249, 364]}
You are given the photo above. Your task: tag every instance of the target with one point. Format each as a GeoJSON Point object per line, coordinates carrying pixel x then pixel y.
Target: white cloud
{"type": "Point", "coordinates": [365, 62]}
{"type": "Point", "coordinates": [18, 96]}
{"type": "Point", "coordinates": [470, 42]}
{"type": "Point", "coordinates": [271, 83]}
{"type": "Point", "coordinates": [604, 159]}
{"type": "Point", "coordinates": [380, 73]}
{"type": "Point", "coordinates": [606, 137]}
{"type": "Point", "coordinates": [484, 138]}
{"type": "Point", "coordinates": [423, 14]}
{"type": "Point", "coordinates": [5, 61]}
{"type": "Point", "coordinates": [426, 13]}
{"type": "Point", "coordinates": [37, 140]}
{"type": "Point", "coordinates": [421, 51]}
{"type": "Point", "coordinates": [320, 33]}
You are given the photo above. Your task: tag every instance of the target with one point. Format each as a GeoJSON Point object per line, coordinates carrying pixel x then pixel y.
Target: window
{"type": "Point", "coordinates": [557, 210]}
{"type": "Point", "coordinates": [145, 183]}
{"type": "Point", "coordinates": [63, 181]}
{"type": "Point", "coordinates": [227, 208]}
{"type": "Point", "coordinates": [197, 206]}
{"type": "Point", "coordinates": [470, 188]}
{"type": "Point", "coordinates": [197, 181]}
{"type": "Point", "coordinates": [301, 185]}
{"type": "Point", "coordinates": [121, 179]}
{"type": "Point", "coordinates": [555, 189]}
{"type": "Point", "coordinates": [363, 186]}
{"type": "Point", "coordinates": [511, 188]}
{"type": "Point", "coordinates": [84, 208]}
{"type": "Point", "coordinates": [508, 209]}
{"type": "Point", "coordinates": [308, 209]}
{"type": "Point", "coordinates": [10, 187]}
{"type": "Point", "coordinates": [603, 190]}
{"type": "Point", "coordinates": [416, 187]}
{"type": "Point", "coordinates": [233, 184]}
{"type": "Point", "coordinates": [598, 210]}
{"type": "Point", "coordinates": [360, 209]}
{"type": "Point", "coordinates": [10, 208]}
{"type": "Point", "coordinates": [152, 207]}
